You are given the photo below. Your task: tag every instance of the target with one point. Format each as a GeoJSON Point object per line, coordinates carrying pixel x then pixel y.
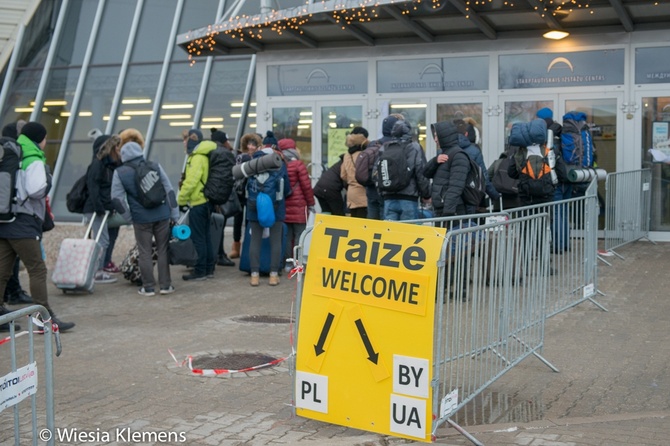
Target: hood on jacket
{"type": "Point", "coordinates": [387, 125]}
{"type": "Point", "coordinates": [205, 147]}
{"type": "Point", "coordinates": [447, 134]}
{"type": "Point", "coordinates": [250, 137]}
{"type": "Point", "coordinates": [354, 140]}
{"type": "Point", "coordinates": [290, 154]}
{"type": "Point", "coordinates": [400, 129]}
{"type": "Point", "coordinates": [31, 151]}
{"type": "Point", "coordinates": [98, 143]}
{"type": "Point", "coordinates": [130, 151]}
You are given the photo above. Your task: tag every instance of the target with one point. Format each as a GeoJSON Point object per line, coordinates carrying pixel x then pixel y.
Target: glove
{"type": "Point", "coordinates": [311, 210]}
{"type": "Point", "coordinates": [184, 208]}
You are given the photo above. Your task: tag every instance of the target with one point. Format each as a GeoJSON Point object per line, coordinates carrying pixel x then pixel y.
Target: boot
{"type": "Point", "coordinates": [235, 252]}
{"type": "Point", "coordinates": [5, 327]}
{"type": "Point", "coordinates": [225, 261]}
{"type": "Point", "coordinates": [62, 326]}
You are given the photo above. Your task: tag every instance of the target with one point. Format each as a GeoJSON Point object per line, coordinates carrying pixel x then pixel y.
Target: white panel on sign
{"type": "Point", "coordinates": [408, 416]}
{"type": "Point", "coordinates": [311, 391]}
{"type": "Point", "coordinates": [449, 403]}
{"type": "Point", "coordinates": [410, 376]}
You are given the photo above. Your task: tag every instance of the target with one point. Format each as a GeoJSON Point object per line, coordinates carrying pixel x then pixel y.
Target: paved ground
{"type": "Point", "coordinates": [116, 372]}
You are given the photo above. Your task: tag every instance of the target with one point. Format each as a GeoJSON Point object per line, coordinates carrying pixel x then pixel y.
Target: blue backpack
{"type": "Point", "coordinates": [576, 140]}
{"type": "Point", "coordinates": [265, 191]}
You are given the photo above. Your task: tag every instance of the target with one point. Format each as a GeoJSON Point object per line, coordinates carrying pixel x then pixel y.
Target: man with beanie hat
{"type": "Point", "coordinates": [270, 140]}
{"type": "Point", "coordinates": [99, 201]}
{"type": "Point", "coordinates": [23, 236]}
{"type": "Point", "coordinates": [366, 161]}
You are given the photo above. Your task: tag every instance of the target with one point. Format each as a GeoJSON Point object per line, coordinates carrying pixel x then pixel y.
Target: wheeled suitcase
{"type": "Point", "coordinates": [78, 260]}
{"type": "Point", "coordinates": [265, 251]}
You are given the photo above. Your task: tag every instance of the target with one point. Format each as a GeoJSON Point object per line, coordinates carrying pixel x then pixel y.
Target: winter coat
{"type": "Point", "coordinates": [124, 190]}
{"type": "Point", "coordinates": [302, 194]}
{"type": "Point", "coordinates": [356, 196]}
{"type": "Point", "coordinates": [475, 153]}
{"type": "Point", "coordinates": [448, 177]}
{"type": "Point", "coordinates": [330, 184]}
{"type": "Point", "coordinates": [419, 185]}
{"type": "Point", "coordinates": [99, 184]}
{"type": "Point", "coordinates": [33, 183]}
{"type": "Point", "coordinates": [195, 175]}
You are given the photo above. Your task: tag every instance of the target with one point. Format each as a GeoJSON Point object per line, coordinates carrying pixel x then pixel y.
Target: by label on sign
{"type": "Point", "coordinates": [366, 326]}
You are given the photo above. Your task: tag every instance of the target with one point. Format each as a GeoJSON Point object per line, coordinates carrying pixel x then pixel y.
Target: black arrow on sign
{"type": "Point", "coordinates": [372, 355]}
{"type": "Point", "coordinates": [318, 347]}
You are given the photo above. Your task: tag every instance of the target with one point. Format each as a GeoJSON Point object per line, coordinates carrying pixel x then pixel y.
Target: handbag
{"type": "Point", "coordinates": [182, 252]}
{"type": "Point", "coordinates": [232, 206]}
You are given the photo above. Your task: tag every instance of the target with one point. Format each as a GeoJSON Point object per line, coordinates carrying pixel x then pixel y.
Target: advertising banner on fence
{"type": "Point", "coordinates": [365, 339]}
{"type": "Point", "coordinates": [17, 386]}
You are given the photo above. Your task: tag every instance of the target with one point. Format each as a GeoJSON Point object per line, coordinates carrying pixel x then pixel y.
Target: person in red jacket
{"type": "Point", "coordinates": [301, 201]}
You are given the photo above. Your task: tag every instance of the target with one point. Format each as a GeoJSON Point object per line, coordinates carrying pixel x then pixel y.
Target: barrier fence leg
{"type": "Point", "coordinates": [465, 433]}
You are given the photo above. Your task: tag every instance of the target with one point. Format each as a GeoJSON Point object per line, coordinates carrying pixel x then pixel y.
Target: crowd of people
{"type": "Point", "coordinates": [356, 185]}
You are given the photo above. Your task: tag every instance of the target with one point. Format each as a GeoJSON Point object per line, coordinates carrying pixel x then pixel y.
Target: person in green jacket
{"type": "Point", "coordinates": [191, 196]}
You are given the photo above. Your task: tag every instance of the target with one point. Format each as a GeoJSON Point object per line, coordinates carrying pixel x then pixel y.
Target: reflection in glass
{"type": "Point", "coordinates": [415, 114]}
{"type": "Point", "coordinates": [286, 124]}
{"type": "Point", "coordinates": [78, 23]}
{"type": "Point", "coordinates": [179, 99]}
{"type": "Point", "coordinates": [96, 101]}
{"type": "Point", "coordinates": [114, 27]}
{"type": "Point", "coordinates": [154, 31]}
{"type": "Point", "coordinates": [62, 85]}
{"type": "Point", "coordinates": [78, 158]}
{"type": "Point", "coordinates": [522, 111]}
{"type": "Point", "coordinates": [656, 134]}
{"type": "Point", "coordinates": [21, 94]}
{"type": "Point", "coordinates": [141, 82]}
{"type": "Point", "coordinates": [450, 112]}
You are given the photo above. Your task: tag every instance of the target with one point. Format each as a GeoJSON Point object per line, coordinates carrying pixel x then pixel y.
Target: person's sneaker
{"type": "Point", "coordinates": [210, 275]}
{"type": "Point", "coordinates": [111, 268]}
{"type": "Point", "coordinates": [225, 261]}
{"type": "Point", "coordinates": [274, 279]}
{"type": "Point", "coordinates": [194, 276]}
{"type": "Point", "coordinates": [168, 290]}
{"type": "Point", "coordinates": [146, 292]}
{"type": "Point", "coordinates": [103, 277]}
{"type": "Point", "coordinates": [19, 298]}
{"type": "Point", "coordinates": [255, 279]}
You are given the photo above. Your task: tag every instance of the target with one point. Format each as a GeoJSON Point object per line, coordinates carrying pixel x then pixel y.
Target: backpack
{"type": "Point", "coordinates": [501, 180]}
{"type": "Point", "coordinates": [365, 164]}
{"type": "Point", "coordinates": [150, 190]}
{"type": "Point", "coordinates": [220, 181]}
{"type": "Point", "coordinates": [270, 184]}
{"type": "Point", "coordinates": [576, 140]}
{"type": "Point", "coordinates": [538, 175]}
{"type": "Point", "coordinates": [10, 164]}
{"type": "Point", "coordinates": [76, 198]}
{"type": "Point", "coordinates": [475, 185]}
{"type": "Point", "coordinates": [392, 173]}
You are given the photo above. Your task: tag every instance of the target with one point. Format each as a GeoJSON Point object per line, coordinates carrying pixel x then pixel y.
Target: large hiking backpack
{"type": "Point", "coordinates": [150, 190]}
{"type": "Point", "coordinates": [392, 172]}
{"type": "Point", "coordinates": [576, 140]}
{"type": "Point", "coordinates": [220, 180]}
{"type": "Point", "coordinates": [475, 185]}
{"type": "Point", "coordinates": [537, 173]}
{"type": "Point", "coordinates": [10, 163]}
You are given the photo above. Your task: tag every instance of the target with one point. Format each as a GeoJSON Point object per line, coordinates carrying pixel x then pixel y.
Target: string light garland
{"type": "Point", "coordinates": [344, 14]}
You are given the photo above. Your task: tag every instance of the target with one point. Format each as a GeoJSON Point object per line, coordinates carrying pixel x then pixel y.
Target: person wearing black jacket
{"type": "Point", "coordinates": [328, 190]}
{"type": "Point", "coordinates": [449, 171]}
{"type": "Point", "coordinates": [99, 201]}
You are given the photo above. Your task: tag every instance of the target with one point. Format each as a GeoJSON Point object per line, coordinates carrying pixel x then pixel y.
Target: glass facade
{"type": "Point", "coordinates": [156, 94]}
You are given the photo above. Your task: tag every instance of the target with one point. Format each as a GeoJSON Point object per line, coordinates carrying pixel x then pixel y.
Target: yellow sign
{"type": "Point", "coordinates": [337, 144]}
{"type": "Point", "coordinates": [365, 340]}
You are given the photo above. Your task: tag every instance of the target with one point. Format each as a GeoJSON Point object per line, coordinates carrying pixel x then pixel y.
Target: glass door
{"type": "Point", "coordinates": [336, 122]}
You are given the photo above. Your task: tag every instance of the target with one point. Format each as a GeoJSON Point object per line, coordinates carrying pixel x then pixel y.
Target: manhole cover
{"type": "Point", "coordinates": [265, 319]}
{"type": "Point", "coordinates": [232, 361]}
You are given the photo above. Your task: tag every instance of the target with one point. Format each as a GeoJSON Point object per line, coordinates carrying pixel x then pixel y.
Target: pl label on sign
{"type": "Point", "coordinates": [311, 391]}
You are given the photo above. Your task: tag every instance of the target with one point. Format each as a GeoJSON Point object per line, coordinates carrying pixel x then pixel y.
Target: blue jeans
{"type": "Point", "coordinates": [198, 221]}
{"type": "Point", "coordinates": [560, 229]}
{"type": "Point", "coordinates": [375, 204]}
{"type": "Point", "coordinates": [397, 210]}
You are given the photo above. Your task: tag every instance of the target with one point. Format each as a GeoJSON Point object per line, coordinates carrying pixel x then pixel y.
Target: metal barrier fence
{"type": "Point", "coordinates": [627, 208]}
{"type": "Point", "coordinates": [18, 383]}
{"type": "Point", "coordinates": [490, 309]}
{"type": "Point", "coordinates": [573, 242]}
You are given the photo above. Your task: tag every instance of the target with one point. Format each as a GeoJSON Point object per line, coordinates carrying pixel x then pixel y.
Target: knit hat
{"type": "Point", "coordinates": [194, 138]}
{"type": "Point", "coordinates": [99, 141]}
{"type": "Point", "coordinates": [286, 143]}
{"type": "Point", "coordinates": [269, 139]}
{"type": "Point", "coordinates": [219, 136]}
{"type": "Point", "coordinates": [10, 130]}
{"type": "Point", "coordinates": [360, 131]}
{"type": "Point", "coordinates": [545, 113]}
{"type": "Point", "coordinates": [387, 125]}
{"type": "Point", "coordinates": [34, 131]}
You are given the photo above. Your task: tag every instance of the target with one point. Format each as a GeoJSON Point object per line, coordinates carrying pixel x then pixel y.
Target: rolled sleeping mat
{"type": "Point", "coordinates": [257, 165]}
{"type": "Point", "coordinates": [586, 175]}
{"type": "Point", "coordinates": [181, 232]}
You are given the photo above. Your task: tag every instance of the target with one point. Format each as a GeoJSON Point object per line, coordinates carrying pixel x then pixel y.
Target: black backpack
{"type": "Point", "coordinates": [475, 185]}
{"type": "Point", "coordinates": [392, 173]}
{"type": "Point", "coordinates": [501, 180]}
{"type": "Point", "coordinates": [220, 179]}
{"type": "Point", "coordinates": [10, 163]}
{"type": "Point", "coordinates": [150, 190]}
{"type": "Point", "coordinates": [76, 198]}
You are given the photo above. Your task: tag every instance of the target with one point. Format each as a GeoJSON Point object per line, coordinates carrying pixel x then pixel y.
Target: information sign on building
{"type": "Point", "coordinates": [365, 338]}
